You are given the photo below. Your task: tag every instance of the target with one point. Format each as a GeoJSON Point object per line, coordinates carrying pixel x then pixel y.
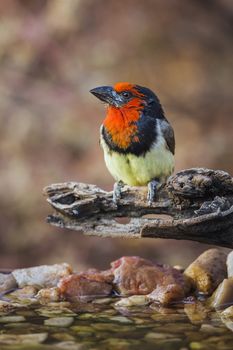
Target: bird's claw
{"type": "Point", "coordinates": [152, 191]}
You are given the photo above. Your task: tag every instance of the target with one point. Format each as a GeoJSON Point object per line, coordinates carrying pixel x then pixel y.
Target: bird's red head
{"type": "Point", "coordinates": [125, 105]}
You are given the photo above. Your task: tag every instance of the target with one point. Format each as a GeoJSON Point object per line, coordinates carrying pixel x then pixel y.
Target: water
{"type": "Point", "coordinates": [101, 325]}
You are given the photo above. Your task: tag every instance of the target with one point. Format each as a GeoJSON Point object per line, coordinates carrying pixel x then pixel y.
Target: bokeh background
{"type": "Point", "coordinates": [51, 53]}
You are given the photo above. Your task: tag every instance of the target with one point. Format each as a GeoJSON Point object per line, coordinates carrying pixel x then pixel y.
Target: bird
{"type": "Point", "coordinates": [137, 139]}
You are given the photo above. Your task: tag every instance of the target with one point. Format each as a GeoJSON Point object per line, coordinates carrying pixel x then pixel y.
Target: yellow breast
{"type": "Point", "coordinates": [134, 170]}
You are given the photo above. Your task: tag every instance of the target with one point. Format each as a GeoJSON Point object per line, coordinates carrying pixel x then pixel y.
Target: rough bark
{"type": "Point", "coordinates": [195, 204]}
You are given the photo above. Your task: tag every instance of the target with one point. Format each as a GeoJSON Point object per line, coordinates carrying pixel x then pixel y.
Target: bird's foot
{"type": "Point", "coordinates": [117, 191]}
{"type": "Point", "coordinates": [152, 190]}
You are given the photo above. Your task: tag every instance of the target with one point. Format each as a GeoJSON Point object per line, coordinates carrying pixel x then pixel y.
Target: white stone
{"type": "Point", "coordinates": [7, 282]}
{"type": "Point", "coordinates": [43, 276]}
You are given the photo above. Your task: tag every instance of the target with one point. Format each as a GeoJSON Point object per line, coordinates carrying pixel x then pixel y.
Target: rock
{"type": "Point", "coordinates": [54, 311]}
{"type": "Point", "coordinates": [46, 295]}
{"type": "Point", "coordinates": [196, 312]}
{"type": "Point", "coordinates": [7, 282]}
{"type": "Point", "coordinates": [104, 301]}
{"type": "Point", "coordinates": [71, 345]}
{"type": "Point", "coordinates": [172, 288]}
{"type": "Point", "coordinates": [86, 286]}
{"type": "Point", "coordinates": [12, 319]}
{"type": "Point", "coordinates": [42, 276]}
{"type": "Point", "coordinates": [5, 307]}
{"type": "Point", "coordinates": [135, 276]}
{"type": "Point", "coordinates": [210, 329]}
{"type": "Point", "coordinates": [23, 293]}
{"type": "Point", "coordinates": [12, 339]}
{"type": "Point", "coordinates": [82, 328]}
{"type": "Point", "coordinates": [230, 264]}
{"type": "Point", "coordinates": [207, 271]}
{"type": "Point", "coordinates": [228, 313]}
{"type": "Point", "coordinates": [134, 300]}
{"type": "Point", "coordinates": [227, 317]}
{"type": "Point", "coordinates": [121, 319]}
{"type": "Point", "coordinates": [223, 295]}
{"type": "Point", "coordinates": [112, 327]}
{"type": "Point", "coordinates": [59, 321]}
{"type": "Point", "coordinates": [63, 336]}
{"type": "Point", "coordinates": [158, 335]}
{"type": "Point", "coordinates": [18, 325]}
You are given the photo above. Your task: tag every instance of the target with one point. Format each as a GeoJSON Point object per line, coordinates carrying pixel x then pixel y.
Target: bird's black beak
{"type": "Point", "coordinates": [105, 93]}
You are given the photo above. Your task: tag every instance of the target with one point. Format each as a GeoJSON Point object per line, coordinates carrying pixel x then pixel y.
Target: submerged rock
{"type": "Point", "coordinates": [134, 300]}
{"type": "Point", "coordinates": [12, 319]}
{"type": "Point", "coordinates": [46, 295]}
{"type": "Point", "coordinates": [223, 295]}
{"type": "Point", "coordinates": [228, 312]}
{"type": "Point", "coordinates": [12, 339]}
{"type": "Point", "coordinates": [59, 321]}
{"type": "Point", "coordinates": [137, 276]}
{"type": "Point", "coordinates": [23, 293]}
{"type": "Point", "coordinates": [172, 287]}
{"type": "Point", "coordinates": [196, 312]}
{"type": "Point", "coordinates": [207, 271]}
{"type": "Point", "coordinates": [87, 285]}
{"type": "Point", "coordinates": [42, 276]}
{"type": "Point", "coordinates": [7, 282]}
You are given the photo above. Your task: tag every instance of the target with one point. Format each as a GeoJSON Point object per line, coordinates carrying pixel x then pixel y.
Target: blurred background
{"type": "Point", "coordinates": [51, 53]}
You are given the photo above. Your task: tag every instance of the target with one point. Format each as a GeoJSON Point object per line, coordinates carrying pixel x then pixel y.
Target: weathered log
{"type": "Point", "coordinates": [195, 204]}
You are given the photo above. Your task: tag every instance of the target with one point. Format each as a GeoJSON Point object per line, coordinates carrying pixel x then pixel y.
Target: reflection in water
{"type": "Point", "coordinates": [103, 325]}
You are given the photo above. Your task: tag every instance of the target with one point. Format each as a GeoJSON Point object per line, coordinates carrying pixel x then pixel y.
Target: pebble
{"type": "Point", "coordinates": [82, 328]}
{"type": "Point", "coordinates": [7, 282]}
{"type": "Point", "coordinates": [64, 336]}
{"type": "Point", "coordinates": [54, 312]}
{"type": "Point", "coordinates": [228, 312]}
{"type": "Point", "coordinates": [154, 335]}
{"type": "Point", "coordinates": [18, 325]}
{"type": "Point", "coordinates": [208, 328]}
{"type": "Point", "coordinates": [5, 307]}
{"type": "Point", "coordinates": [207, 271]}
{"type": "Point", "coordinates": [121, 319]}
{"type": "Point", "coordinates": [112, 327]}
{"type": "Point", "coordinates": [71, 345]}
{"type": "Point", "coordinates": [12, 319]}
{"type": "Point", "coordinates": [223, 295]}
{"type": "Point", "coordinates": [196, 312]}
{"type": "Point", "coordinates": [11, 339]}
{"type": "Point", "coordinates": [43, 276]}
{"type": "Point", "coordinates": [24, 293]}
{"type": "Point", "coordinates": [104, 301]}
{"type": "Point", "coordinates": [59, 321]}
{"type": "Point", "coordinates": [227, 317]}
{"type": "Point", "coordinates": [134, 300]}
{"type": "Point", "coordinates": [48, 294]}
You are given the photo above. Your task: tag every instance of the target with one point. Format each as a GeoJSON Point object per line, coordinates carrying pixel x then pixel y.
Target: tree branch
{"type": "Point", "coordinates": [195, 204]}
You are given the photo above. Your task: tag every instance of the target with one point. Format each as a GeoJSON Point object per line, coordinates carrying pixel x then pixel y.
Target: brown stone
{"type": "Point", "coordinates": [135, 276]}
{"type": "Point", "coordinates": [87, 285]}
{"type": "Point", "coordinates": [207, 271]}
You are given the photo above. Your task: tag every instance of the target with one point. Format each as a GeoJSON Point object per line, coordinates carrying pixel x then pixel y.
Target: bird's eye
{"type": "Point", "coordinates": [126, 94]}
